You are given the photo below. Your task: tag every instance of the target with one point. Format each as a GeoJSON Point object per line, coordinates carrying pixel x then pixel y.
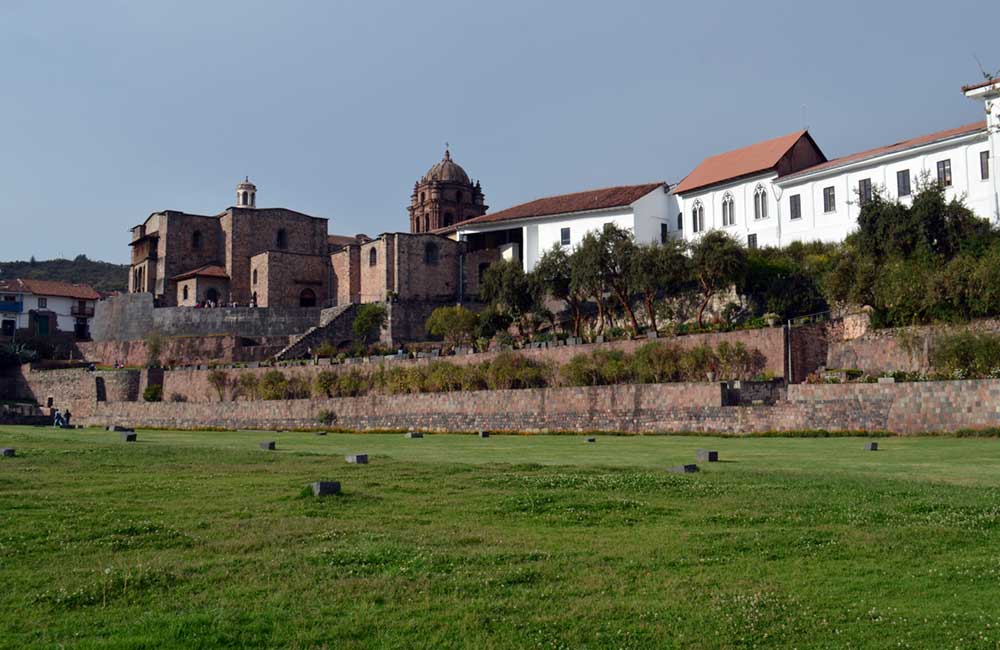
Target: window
{"type": "Point", "coordinates": [196, 240]}
{"type": "Point", "coordinates": [865, 190]}
{"type": "Point", "coordinates": [829, 199]}
{"type": "Point", "coordinates": [43, 303]}
{"type": "Point", "coordinates": [184, 292]}
{"type": "Point", "coordinates": [282, 238]}
{"type": "Point", "coordinates": [728, 210]}
{"type": "Point", "coordinates": [372, 257]}
{"type": "Point", "coordinates": [664, 233]}
{"type": "Point", "coordinates": [307, 298]}
{"type": "Point", "coordinates": [448, 218]}
{"type": "Point", "coordinates": [984, 165]}
{"type": "Point", "coordinates": [795, 206]}
{"type": "Point", "coordinates": [254, 278]}
{"type": "Point", "coordinates": [944, 172]}
{"type": "Point", "coordinates": [697, 217]}
{"type": "Point", "coordinates": [427, 222]}
{"type": "Point", "coordinates": [423, 196]}
{"type": "Point", "coordinates": [680, 221]}
{"type": "Point", "coordinates": [564, 236]}
{"type": "Point", "coordinates": [760, 203]}
{"type": "Point", "coordinates": [751, 241]}
{"type": "Point", "coordinates": [431, 253]}
{"type": "Point", "coordinates": [903, 182]}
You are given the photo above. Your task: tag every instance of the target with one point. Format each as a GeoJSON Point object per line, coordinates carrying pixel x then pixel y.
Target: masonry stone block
{"type": "Point", "coordinates": [706, 456]}
{"type": "Point", "coordinates": [268, 445]}
{"type": "Point", "coordinates": [7, 452]}
{"type": "Point", "coordinates": [871, 446]}
{"type": "Point", "coordinates": [414, 434]}
{"type": "Point", "coordinates": [357, 459]}
{"type": "Point", "coordinates": [325, 488]}
{"type": "Point", "coordinates": [129, 437]}
{"type": "Point", "coordinates": [683, 469]}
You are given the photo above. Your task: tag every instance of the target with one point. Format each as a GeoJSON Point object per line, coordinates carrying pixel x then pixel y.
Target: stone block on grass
{"type": "Point", "coordinates": [414, 434]}
{"type": "Point", "coordinates": [683, 469]}
{"type": "Point", "coordinates": [706, 456]}
{"type": "Point", "coordinates": [871, 446]}
{"type": "Point", "coordinates": [268, 445]}
{"type": "Point", "coordinates": [120, 429]}
{"type": "Point", "coordinates": [591, 440]}
{"type": "Point", "coordinates": [325, 488]}
{"type": "Point", "coordinates": [129, 437]}
{"type": "Point", "coordinates": [358, 459]}
{"type": "Point", "coordinates": [484, 434]}
{"type": "Point", "coordinates": [8, 452]}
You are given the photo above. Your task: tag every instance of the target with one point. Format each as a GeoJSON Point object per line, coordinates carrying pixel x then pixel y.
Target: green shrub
{"type": "Point", "coordinates": [326, 350]}
{"type": "Point", "coordinates": [248, 386]}
{"type": "Point", "coordinates": [273, 385]}
{"type": "Point", "coordinates": [965, 354]}
{"type": "Point", "coordinates": [297, 388]}
{"type": "Point", "coordinates": [456, 325]}
{"type": "Point", "coordinates": [153, 393]}
{"type": "Point", "coordinates": [735, 361]}
{"type": "Point", "coordinates": [219, 380]}
{"type": "Point", "coordinates": [699, 364]}
{"type": "Point", "coordinates": [598, 368]}
{"type": "Point", "coordinates": [368, 321]}
{"type": "Point", "coordinates": [326, 418]}
{"type": "Point", "coordinates": [508, 370]}
{"type": "Point", "coordinates": [351, 384]}
{"type": "Point", "coordinates": [657, 363]}
{"type": "Point", "coordinates": [325, 384]}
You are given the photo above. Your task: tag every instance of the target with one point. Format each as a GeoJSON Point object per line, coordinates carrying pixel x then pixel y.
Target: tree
{"type": "Point", "coordinates": [219, 380]}
{"type": "Point", "coordinates": [554, 274]}
{"type": "Point", "coordinates": [587, 274]}
{"type": "Point", "coordinates": [368, 322]}
{"type": "Point", "coordinates": [248, 385]}
{"type": "Point", "coordinates": [154, 346]}
{"type": "Point", "coordinates": [660, 268]}
{"type": "Point", "coordinates": [457, 325]}
{"type": "Point", "coordinates": [509, 290]}
{"type": "Point", "coordinates": [617, 262]}
{"type": "Point", "coordinates": [719, 261]}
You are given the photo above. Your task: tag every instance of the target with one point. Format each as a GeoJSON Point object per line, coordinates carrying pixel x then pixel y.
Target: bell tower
{"type": "Point", "coordinates": [444, 197]}
{"type": "Point", "coordinates": [246, 194]}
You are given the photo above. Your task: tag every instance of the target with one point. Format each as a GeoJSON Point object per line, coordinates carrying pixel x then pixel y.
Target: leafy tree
{"type": "Point", "coordinates": [457, 325]}
{"type": "Point", "coordinates": [368, 322]}
{"type": "Point", "coordinates": [587, 274]}
{"type": "Point", "coordinates": [219, 380]}
{"type": "Point", "coordinates": [617, 263]}
{"type": "Point", "coordinates": [660, 269]}
{"type": "Point", "coordinates": [719, 261]}
{"type": "Point", "coordinates": [492, 321]}
{"type": "Point", "coordinates": [248, 385]}
{"type": "Point", "coordinates": [509, 290]}
{"type": "Point", "coordinates": [153, 393]}
{"type": "Point", "coordinates": [554, 274]}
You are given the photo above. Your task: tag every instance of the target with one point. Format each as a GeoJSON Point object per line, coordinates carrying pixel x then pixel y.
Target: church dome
{"type": "Point", "coordinates": [447, 171]}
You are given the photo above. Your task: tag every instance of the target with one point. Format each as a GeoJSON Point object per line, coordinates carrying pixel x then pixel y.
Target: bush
{"type": "Point", "coordinates": [326, 417]}
{"type": "Point", "coordinates": [297, 388]}
{"type": "Point", "coordinates": [153, 393]}
{"type": "Point", "coordinates": [273, 385]}
{"type": "Point", "coordinates": [656, 363]}
{"type": "Point", "coordinates": [219, 380]}
{"type": "Point", "coordinates": [369, 321]}
{"type": "Point", "coordinates": [508, 370]}
{"type": "Point", "coordinates": [351, 384]}
{"type": "Point", "coordinates": [154, 346]}
{"type": "Point", "coordinates": [326, 384]}
{"type": "Point", "coordinates": [736, 362]}
{"type": "Point", "coordinates": [599, 368]}
{"type": "Point", "coordinates": [248, 386]}
{"type": "Point", "coordinates": [178, 398]}
{"type": "Point", "coordinates": [326, 350]}
{"type": "Point", "coordinates": [442, 377]}
{"type": "Point", "coordinates": [966, 354]}
{"type": "Point", "coordinates": [456, 325]}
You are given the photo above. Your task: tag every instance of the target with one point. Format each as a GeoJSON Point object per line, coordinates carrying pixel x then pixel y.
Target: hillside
{"type": "Point", "coordinates": [103, 276]}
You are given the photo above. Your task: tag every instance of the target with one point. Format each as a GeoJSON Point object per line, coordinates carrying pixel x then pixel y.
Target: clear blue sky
{"type": "Point", "coordinates": [111, 110]}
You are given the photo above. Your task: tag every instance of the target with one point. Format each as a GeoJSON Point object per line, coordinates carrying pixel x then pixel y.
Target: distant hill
{"type": "Point", "coordinates": [103, 276]}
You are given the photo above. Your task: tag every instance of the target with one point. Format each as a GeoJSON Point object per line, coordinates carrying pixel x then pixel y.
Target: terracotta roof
{"type": "Point", "coordinates": [753, 159]}
{"type": "Point", "coordinates": [981, 84]}
{"type": "Point", "coordinates": [207, 271]}
{"type": "Point", "coordinates": [892, 148]}
{"type": "Point", "coordinates": [610, 197]}
{"type": "Point", "coordinates": [50, 288]}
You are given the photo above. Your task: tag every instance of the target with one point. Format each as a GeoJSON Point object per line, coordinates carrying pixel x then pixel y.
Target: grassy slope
{"type": "Point", "coordinates": [202, 540]}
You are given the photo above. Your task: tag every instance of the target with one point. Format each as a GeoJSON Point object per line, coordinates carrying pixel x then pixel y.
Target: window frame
{"type": "Point", "coordinates": [830, 191]}
{"type": "Point", "coordinates": [759, 203]}
{"type": "Point", "coordinates": [697, 216]}
{"type": "Point", "coordinates": [901, 174]}
{"type": "Point", "coordinates": [984, 165]}
{"type": "Point", "coordinates": [752, 241]}
{"type": "Point", "coordinates": [728, 210]}
{"type": "Point", "coordinates": [944, 177]}
{"type": "Point", "coordinates": [864, 191]}
{"type": "Point", "coordinates": [794, 207]}
{"type": "Point", "coordinates": [43, 302]}
{"type": "Point", "coordinates": [664, 232]}
{"type": "Point", "coordinates": [565, 236]}
{"type": "Point", "coordinates": [372, 256]}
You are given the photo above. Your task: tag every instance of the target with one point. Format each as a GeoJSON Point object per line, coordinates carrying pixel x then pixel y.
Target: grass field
{"type": "Point", "coordinates": [202, 540]}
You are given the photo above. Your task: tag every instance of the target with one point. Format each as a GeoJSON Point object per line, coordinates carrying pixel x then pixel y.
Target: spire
{"type": "Point", "coordinates": [447, 151]}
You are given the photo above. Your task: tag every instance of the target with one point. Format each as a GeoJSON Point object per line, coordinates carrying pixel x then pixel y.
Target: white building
{"type": "Point", "coordinates": [783, 190]}
{"type": "Point", "coordinates": [44, 308]}
{"type": "Point", "coordinates": [526, 231]}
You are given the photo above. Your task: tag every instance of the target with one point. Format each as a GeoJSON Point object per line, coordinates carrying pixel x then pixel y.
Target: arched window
{"type": "Point", "coordinates": [196, 240]}
{"type": "Point", "coordinates": [423, 196]}
{"type": "Point", "coordinates": [431, 253]}
{"type": "Point", "coordinates": [243, 200]}
{"type": "Point", "coordinates": [372, 257]}
{"type": "Point", "coordinates": [760, 203]}
{"type": "Point", "coordinates": [185, 292]}
{"type": "Point", "coordinates": [255, 277]}
{"type": "Point", "coordinates": [427, 222]}
{"type": "Point", "coordinates": [448, 218]}
{"type": "Point", "coordinates": [680, 221]}
{"type": "Point", "coordinates": [728, 210]}
{"type": "Point", "coordinates": [282, 239]}
{"type": "Point", "coordinates": [697, 217]}
{"type": "Point", "coordinates": [307, 298]}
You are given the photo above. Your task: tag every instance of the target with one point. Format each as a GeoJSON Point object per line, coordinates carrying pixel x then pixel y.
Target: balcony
{"type": "Point", "coordinates": [11, 307]}
{"type": "Point", "coordinates": [81, 312]}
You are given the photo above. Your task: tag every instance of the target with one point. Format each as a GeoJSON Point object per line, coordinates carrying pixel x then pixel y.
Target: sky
{"type": "Point", "coordinates": [113, 109]}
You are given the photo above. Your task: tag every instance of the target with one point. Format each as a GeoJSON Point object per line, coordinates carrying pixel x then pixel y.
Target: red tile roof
{"type": "Point", "coordinates": [981, 84]}
{"type": "Point", "coordinates": [50, 288]}
{"type": "Point", "coordinates": [610, 197]}
{"type": "Point", "coordinates": [753, 159]}
{"type": "Point", "coordinates": [207, 271]}
{"type": "Point", "coordinates": [892, 148]}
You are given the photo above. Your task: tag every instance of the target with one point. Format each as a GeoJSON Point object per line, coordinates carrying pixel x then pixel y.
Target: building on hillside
{"type": "Point", "coordinates": [783, 190]}
{"type": "Point", "coordinates": [45, 308]}
{"type": "Point", "coordinates": [524, 232]}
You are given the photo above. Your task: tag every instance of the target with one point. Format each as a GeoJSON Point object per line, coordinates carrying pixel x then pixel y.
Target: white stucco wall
{"type": "Point", "coordinates": [61, 307]}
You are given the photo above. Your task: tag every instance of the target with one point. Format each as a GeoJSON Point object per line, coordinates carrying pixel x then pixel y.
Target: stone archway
{"type": "Point", "coordinates": [307, 298]}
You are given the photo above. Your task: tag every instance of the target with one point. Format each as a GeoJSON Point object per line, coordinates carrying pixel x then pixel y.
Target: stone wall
{"type": "Point", "coordinates": [649, 408]}
{"type": "Point", "coordinates": [184, 349]}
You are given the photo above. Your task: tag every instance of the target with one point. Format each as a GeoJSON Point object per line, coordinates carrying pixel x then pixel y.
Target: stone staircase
{"type": "Point", "coordinates": [335, 326]}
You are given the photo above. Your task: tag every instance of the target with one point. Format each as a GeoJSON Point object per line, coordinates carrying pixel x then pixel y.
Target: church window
{"type": "Point", "coordinates": [664, 233]}
{"type": "Point", "coordinates": [431, 253]}
{"type": "Point", "coordinates": [372, 257]}
{"type": "Point", "coordinates": [427, 222]}
{"type": "Point", "coordinates": [458, 196]}
{"type": "Point", "coordinates": [728, 210]}
{"type": "Point", "coordinates": [307, 298]}
{"type": "Point", "coordinates": [255, 277]}
{"type": "Point", "coordinates": [423, 197]}
{"type": "Point", "coordinates": [196, 240]}
{"type": "Point", "coordinates": [697, 217]}
{"type": "Point", "coordinates": [282, 239]}
{"type": "Point", "coordinates": [760, 203]}
{"type": "Point", "coordinates": [752, 241]}
{"type": "Point", "coordinates": [185, 292]}
{"type": "Point", "coordinates": [680, 221]}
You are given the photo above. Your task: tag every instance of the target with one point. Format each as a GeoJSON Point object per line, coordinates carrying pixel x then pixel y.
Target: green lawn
{"type": "Point", "coordinates": [202, 540]}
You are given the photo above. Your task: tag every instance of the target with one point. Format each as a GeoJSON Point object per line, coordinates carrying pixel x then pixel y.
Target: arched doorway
{"type": "Point", "coordinates": [307, 298]}
{"type": "Point", "coordinates": [212, 295]}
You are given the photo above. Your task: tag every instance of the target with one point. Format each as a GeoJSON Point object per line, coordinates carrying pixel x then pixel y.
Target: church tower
{"type": "Point", "coordinates": [444, 197]}
{"type": "Point", "coordinates": [246, 194]}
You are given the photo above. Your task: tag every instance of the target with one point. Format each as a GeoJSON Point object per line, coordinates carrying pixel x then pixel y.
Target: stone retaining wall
{"type": "Point", "coordinates": [650, 408]}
